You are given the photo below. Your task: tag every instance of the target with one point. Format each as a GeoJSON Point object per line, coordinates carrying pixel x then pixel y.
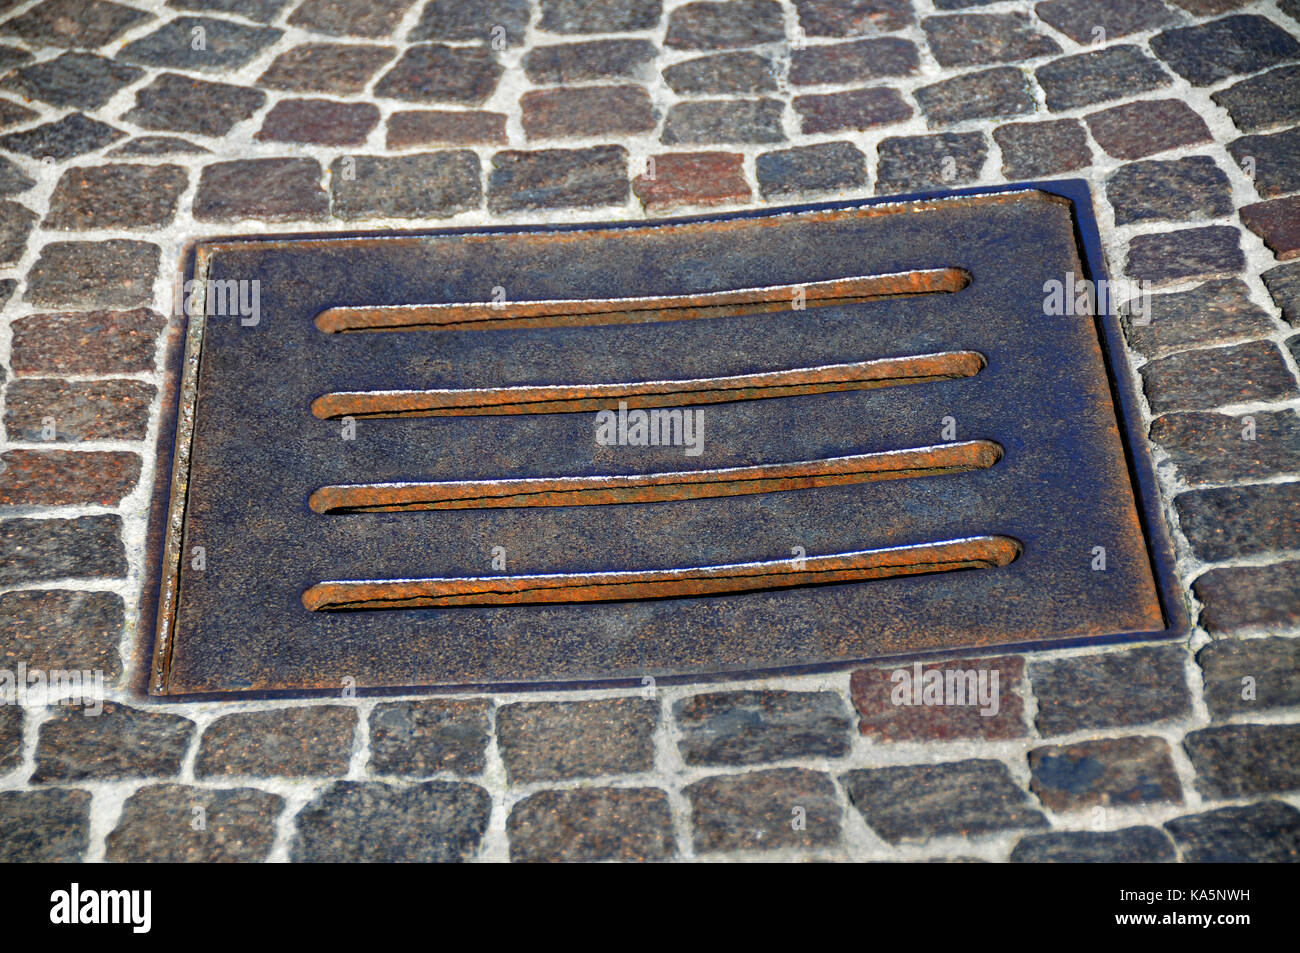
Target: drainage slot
{"type": "Point", "coordinates": [977, 552]}
{"type": "Point", "coordinates": [489, 315]}
{"type": "Point", "coordinates": [573, 398]}
{"type": "Point", "coordinates": [657, 487]}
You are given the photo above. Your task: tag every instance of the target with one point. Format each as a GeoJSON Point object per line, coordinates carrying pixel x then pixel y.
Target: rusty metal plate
{"type": "Point", "coordinates": [538, 456]}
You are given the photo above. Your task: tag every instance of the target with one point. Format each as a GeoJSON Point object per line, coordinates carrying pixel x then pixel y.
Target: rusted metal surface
{"type": "Point", "coordinates": [499, 315]}
{"type": "Point", "coordinates": [658, 487]}
{"type": "Point", "coordinates": [825, 516]}
{"type": "Point", "coordinates": [986, 552]}
{"type": "Point", "coordinates": [567, 399]}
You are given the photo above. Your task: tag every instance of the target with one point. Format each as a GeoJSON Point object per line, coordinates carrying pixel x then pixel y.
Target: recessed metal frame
{"type": "Point", "coordinates": [790, 651]}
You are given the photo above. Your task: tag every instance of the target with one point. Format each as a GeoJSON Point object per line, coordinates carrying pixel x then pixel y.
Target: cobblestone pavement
{"type": "Point", "coordinates": [127, 129]}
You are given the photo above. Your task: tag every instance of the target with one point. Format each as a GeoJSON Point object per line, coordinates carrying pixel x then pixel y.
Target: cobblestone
{"type": "Point", "coordinates": [587, 112]}
{"type": "Point", "coordinates": [158, 825]}
{"type": "Point", "coordinates": [890, 713]}
{"type": "Point", "coordinates": [913, 163]}
{"type": "Point", "coordinates": [758, 811]}
{"type": "Point", "coordinates": [1191, 253]}
{"type": "Point", "coordinates": [549, 741]}
{"type": "Point", "coordinates": [71, 411]}
{"type": "Point", "coordinates": [175, 103]}
{"type": "Point", "coordinates": [693, 178]}
{"type": "Point", "coordinates": [1133, 687]}
{"type": "Point", "coordinates": [917, 802]}
{"type": "Point", "coordinates": [275, 190]}
{"type": "Point", "coordinates": [1268, 832]}
{"type": "Point", "coordinates": [858, 109]}
{"type": "Point", "coordinates": [72, 80]}
{"type": "Point", "coordinates": [564, 63]}
{"type": "Point", "coordinates": [1200, 380]}
{"type": "Point", "coordinates": [41, 550]}
{"type": "Point", "coordinates": [1263, 101]}
{"type": "Point", "coordinates": [366, 822]}
{"type": "Point", "coordinates": [1131, 845]}
{"type": "Point", "coordinates": [1248, 675]}
{"type": "Point", "coordinates": [1112, 772]}
{"type": "Point", "coordinates": [755, 727]}
{"type": "Point", "coordinates": [716, 26]}
{"type": "Point", "coordinates": [716, 122]}
{"type": "Point", "coordinates": [1222, 448]}
{"type": "Point", "coordinates": [1216, 312]}
{"type": "Point", "coordinates": [1235, 761]}
{"type": "Point", "coordinates": [591, 825]}
{"type": "Point", "coordinates": [556, 178]}
{"type": "Point", "coordinates": [1275, 160]}
{"type": "Point", "coordinates": [1098, 76]}
{"type": "Point", "coordinates": [965, 39]}
{"type": "Point", "coordinates": [421, 738]}
{"type": "Point", "coordinates": [826, 167]}
{"type": "Point", "coordinates": [1209, 52]}
{"type": "Point", "coordinates": [853, 62]}
{"type": "Point", "coordinates": [1135, 130]}
{"type": "Point", "coordinates": [116, 196]}
{"type": "Point", "coordinates": [51, 826]}
{"type": "Point", "coordinates": [1033, 149]}
{"type": "Point", "coordinates": [120, 743]}
{"type": "Point", "coordinates": [1277, 222]}
{"type": "Point", "coordinates": [291, 742]}
{"type": "Point", "coordinates": [1231, 522]}
{"type": "Point", "coordinates": [596, 16]}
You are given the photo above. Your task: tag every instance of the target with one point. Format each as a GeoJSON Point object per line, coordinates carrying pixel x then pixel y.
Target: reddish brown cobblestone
{"type": "Point", "coordinates": [61, 477]}
{"type": "Point", "coordinates": [70, 411]}
{"type": "Point", "coordinates": [895, 707]}
{"type": "Point", "coordinates": [692, 178]}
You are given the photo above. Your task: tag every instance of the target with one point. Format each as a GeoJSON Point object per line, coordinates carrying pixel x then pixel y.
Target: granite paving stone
{"type": "Point", "coordinates": [46, 827]}
{"type": "Point", "coordinates": [473, 20]}
{"type": "Point", "coordinates": [914, 163]}
{"type": "Point", "coordinates": [78, 410]}
{"type": "Point", "coordinates": [966, 39]}
{"type": "Point", "coordinates": [200, 43]}
{"type": "Point", "coordinates": [586, 112]}
{"type": "Point", "coordinates": [753, 727]}
{"type": "Point", "coordinates": [16, 223]}
{"type": "Point", "coordinates": [919, 801]}
{"type": "Point", "coordinates": [711, 122]}
{"type": "Point", "coordinates": [175, 823]}
{"type": "Point", "coordinates": [12, 178]}
{"type": "Point", "coordinates": [120, 743]}
{"type": "Point", "coordinates": [599, 16]}
{"type": "Point", "coordinates": [1233, 761]}
{"type": "Point", "coordinates": [1213, 377]}
{"type": "Point", "coordinates": [340, 68]}
{"type": "Point", "coordinates": [1164, 257]}
{"type": "Point", "coordinates": [721, 74]}
{"type": "Point", "coordinates": [1098, 76]}
{"type": "Point", "coordinates": [692, 178]}
{"type": "Point", "coordinates": [557, 178]}
{"type": "Point", "coordinates": [422, 127]}
{"type": "Point", "coordinates": [1216, 312]}
{"type": "Point", "coordinates": [1131, 845]}
{"type": "Point", "coordinates": [857, 109]}
{"type": "Point", "coordinates": [853, 17]}
{"type": "Point", "coordinates": [763, 810]}
{"type": "Point", "coordinates": [1136, 130]}
{"type": "Point", "coordinates": [567, 63]}
{"type": "Point", "coordinates": [41, 550]}
{"type": "Point", "coordinates": [367, 822]}
{"type": "Point", "coordinates": [1112, 772]}
{"type": "Point", "coordinates": [435, 184]}
{"type": "Point", "coordinates": [1277, 222]}
{"type": "Point", "coordinates": [115, 273]}
{"type": "Point", "coordinates": [1231, 522]}
{"type": "Point", "coordinates": [1132, 687]}
{"type": "Point", "coordinates": [289, 742]}
{"type": "Point", "coordinates": [420, 738]}
{"type": "Point", "coordinates": [62, 477]}
{"type": "Point", "coordinates": [274, 190]}
{"type": "Point", "coordinates": [72, 80]}
{"type": "Point", "coordinates": [263, 11]}
{"type": "Point", "coordinates": [1034, 149]}
{"type": "Point", "coordinates": [367, 18]}
{"type": "Point", "coordinates": [987, 94]}
{"type": "Point", "coordinates": [826, 167]}
{"type": "Point", "coordinates": [1283, 284]}
{"type": "Point", "coordinates": [1268, 832]}
{"type": "Point", "coordinates": [85, 24]}
{"type": "Point", "coordinates": [895, 707]}
{"type": "Point", "coordinates": [73, 135]}
{"type": "Point", "coordinates": [433, 72]}
{"type": "Point", "coordinates": [154, 146]}
{"type": "Point", "coordinates": [319, 122]}
{"type": "Point", "coordinates": [11, 728]}
{"type": "Point", "coordinates": [11, 56]}
{"type": "Point", "coordinates": [1263, 101]}
{"type": "Point", "coordinates": [1275, 160]}
{"type": "Point", "coordinates": [590, 825]}
{"type": "Point", "coordinates": [1249, 675]}
{"type": "Point", "coordinates": [551, 741]}
{"type": "Point", "coordinates": [11, 114]}
{"type": "Point", "coordinates": [1220, 448]}
{"type": "Point", "coordinates": [116, 196]}
{"type": "Point", "coordinates": [717, 26]}
{"type": "Point", "coordinates": [853, 62]}
{"type": "Point", "coordinates": [86, 342]}
{"type": "Point", "coordinates": [1080, 19]}
{"type": "Point", "coordinates": [175, 103]}
{"type": "Point", "coordinates": [1208, 52]}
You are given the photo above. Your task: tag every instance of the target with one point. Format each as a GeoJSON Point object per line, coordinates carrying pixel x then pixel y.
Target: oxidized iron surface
{"type": "Point", "coordinates": [430, 505]}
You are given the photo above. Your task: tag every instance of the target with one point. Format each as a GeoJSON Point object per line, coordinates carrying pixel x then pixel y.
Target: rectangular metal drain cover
{"type": "Point", "coordinates": [769, 441]}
